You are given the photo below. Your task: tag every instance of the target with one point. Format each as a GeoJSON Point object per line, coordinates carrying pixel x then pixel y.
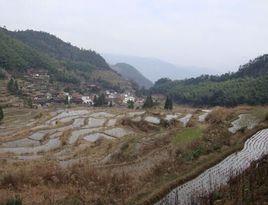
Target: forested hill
{"type": "Point", "coordinates": [249, 85]}
{"type": "Point", "coordinates": [59, 49]}
{"type": "Point", "coordinates": [131, 73]}
{"type": "Point", "coordinates": [21, 50]}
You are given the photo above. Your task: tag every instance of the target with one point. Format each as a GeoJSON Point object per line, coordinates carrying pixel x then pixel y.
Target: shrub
{"type": "Point", "coordinates": [218, 115]}
{"type": "Point", "coordinates": [1, 114]}
{"type": "Point", "coordinates": [243, 129]}
{"type": "Point", "coordinates": [14, 201]}
{"type": "Point", "coordinates": [266, 116]}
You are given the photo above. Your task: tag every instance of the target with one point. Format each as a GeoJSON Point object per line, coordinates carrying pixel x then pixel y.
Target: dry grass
{"type": "Point", "coordinates": [249, 187]}
{"type": "Point", "coordinates": [64, 137]}
{"type": "Point", "coordinates": [90, 185]}
{"type": "Point", "coordinates": [44, 182]}
{"type": "Point", "coordinates": [220, 115]}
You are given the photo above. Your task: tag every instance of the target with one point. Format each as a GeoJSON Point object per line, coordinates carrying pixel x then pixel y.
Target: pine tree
{"type": "Point", "coordinates": [168, 103]}
{"type": "Point", "coordinates": [148, 102]}
{"type": "Point", "coordinates": [66, 101]}
{"type": "Point", "coordinates": [100, 101]}
{"type": "Point", "coordinates": [1, 114]}
{"type": "Point", "coordinates": [95, 101]}
{"type": "Point", "coordinates": [10, 85]}
{"type": "Point", "coordinates": [16, 87]}
{"type": "Point", "coordinates": [130, 104]}
{"type": "Point", "coordinates": [13, 87]}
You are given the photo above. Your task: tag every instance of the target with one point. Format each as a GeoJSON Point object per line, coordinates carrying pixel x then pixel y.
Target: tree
{"type": "Point", "coordinates": [95, 101]}
{"type": "Point", "coordinates": [148, 102]}
{"type": "Point", "coordinates": [1, 114]}
{"type": "Point", "coordinates": [66, 101]}
{"type": "Point", "coordinates": [10, 85]}
{"type": "Point", "coordinates": [28, 102]}
{"type": "Point", "coordinates": [130, 104]}
{"type": "Point", "coordinates": [100, 101]}
{"type": "Point", "coordinates": [168, 103]}
{"type": "Point", "coordinates": [13, 87]}
{"type": "Point", "coordinates": [110, 104]}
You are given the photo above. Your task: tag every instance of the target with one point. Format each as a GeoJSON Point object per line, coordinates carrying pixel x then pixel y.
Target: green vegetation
{"type": "Point", "coordinates": [189, 143]}
{"type": "Point", "coordinates": [2, 74]}
{"type": "Point", "coordinates": [188, 134]}
{"type": "Point", "coordinates": [130, 104]}
{"type": "Point", "coordinates": [1, 114]}
{"type": "Point", "coordinates": [28, 102]}
{"type": "Point", "coordinates": [247, 86]}
{"type": "Point", "coordinates": [23, 50]}
{"type": "Point", "coordinates": [168, 103]}
{"type": "Point", "coordinates": [13, 87]}
{"type": "Point", "coordinates": [148, 102]}
{"type": "Point", "coordinates": [100, 101]}
{"type": "Point", "coordinates": [14, 201]}
{"type": "Point", "coordinates": [56, 48]}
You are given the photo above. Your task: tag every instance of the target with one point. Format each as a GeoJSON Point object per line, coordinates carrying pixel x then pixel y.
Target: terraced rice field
{"type": "Point", "coordinates": [111, 140]}
{"type": "Point", "coordinates": [244, 121]}
{"type": "Point", "coordinates": [210, 180]}
{"type": "Point", "coordinates": [63, 132]}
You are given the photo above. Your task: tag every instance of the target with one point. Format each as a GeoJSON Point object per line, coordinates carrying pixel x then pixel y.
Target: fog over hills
{"type": "Point", "coordinates": [131, 73]}
{"type": "Point", "coordinates": [154, 68]}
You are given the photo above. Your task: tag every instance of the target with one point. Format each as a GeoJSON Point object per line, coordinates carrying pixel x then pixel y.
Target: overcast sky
{"type": "Point", "coordinates": [218, 34]}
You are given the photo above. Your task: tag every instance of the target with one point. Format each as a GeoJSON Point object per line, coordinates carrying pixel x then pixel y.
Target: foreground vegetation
{"type": "Point", "coordinates": [175, 155]}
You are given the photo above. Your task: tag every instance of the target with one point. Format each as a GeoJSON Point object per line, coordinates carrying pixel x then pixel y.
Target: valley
{"type": "Point", "coordinates": [75, 155]}
{"type": "Point", "coordinates": [75, 130]}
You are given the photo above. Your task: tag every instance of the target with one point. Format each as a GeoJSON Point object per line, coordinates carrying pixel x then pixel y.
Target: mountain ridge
{"type": "Point", "coordinates": [154, 69]}
{"type": "Point", "coordinates": [131, 73]}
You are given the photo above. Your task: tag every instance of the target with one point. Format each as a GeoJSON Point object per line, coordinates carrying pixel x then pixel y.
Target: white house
{"type": "Point", "coordinates": [128, 98]}
{"type": "Point", "coordinates": [87, 100]}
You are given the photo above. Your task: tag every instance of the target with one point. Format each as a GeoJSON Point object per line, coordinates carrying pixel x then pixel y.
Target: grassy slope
{"type": "Point", "coordinates": [164, 183]}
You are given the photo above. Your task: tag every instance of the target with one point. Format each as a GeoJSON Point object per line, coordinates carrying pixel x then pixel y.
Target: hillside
{"type": "Point", "coordinates": [249, 85]}
{"type": "Point", "coordinates": [131, 73]}
{"type": "Point", "coordinates": [55, 47]}
{"type": "Point", "coordinates": [154, 69]}
{"type": "Point", "coordinates": [23, 50]}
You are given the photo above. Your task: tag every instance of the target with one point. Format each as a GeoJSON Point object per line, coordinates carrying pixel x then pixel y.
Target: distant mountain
{"type": "Point", "coordinates": [155, 69]}
{"type": "Point", "coordinates": [21, 50]}
{"type": "Point", "coordinates": [249, 85]}
{"type": "Point", "coordinates": [131, 73]}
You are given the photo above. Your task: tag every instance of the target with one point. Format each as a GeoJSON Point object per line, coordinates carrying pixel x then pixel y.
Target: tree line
{"type": "Point", "coordinates": [249, 85]}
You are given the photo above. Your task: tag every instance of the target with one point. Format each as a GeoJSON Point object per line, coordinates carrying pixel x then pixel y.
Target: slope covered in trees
{"type": "Point", "coordinates": [249, 85]}
{"type": "Point", "coordinates": [21, 50]}
{"type": "Point", "coordinates": [15, 55]}
{"type": "Point", "coordinates": [55, 47]}
{"type": "Point", "coordinates": [131, 73]}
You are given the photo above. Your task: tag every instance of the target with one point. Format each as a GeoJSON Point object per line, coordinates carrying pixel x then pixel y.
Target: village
{"type": "Point", "coordinates": [38, 88]}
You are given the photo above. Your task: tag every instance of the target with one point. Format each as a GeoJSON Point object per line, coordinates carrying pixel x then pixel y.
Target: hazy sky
{"type": "Point", "coordinates": [219, 34]}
